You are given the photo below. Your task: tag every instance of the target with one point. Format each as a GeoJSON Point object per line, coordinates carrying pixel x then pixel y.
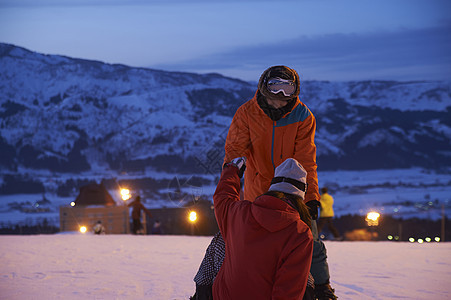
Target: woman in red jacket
{"type": "Point", "coordinates": [268, 242]}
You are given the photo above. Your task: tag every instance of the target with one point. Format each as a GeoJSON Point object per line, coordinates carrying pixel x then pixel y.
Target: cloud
{"type": "Point", "coordinates": [330, 40]}
{"type": "Point", "coordinates": [408, 54]}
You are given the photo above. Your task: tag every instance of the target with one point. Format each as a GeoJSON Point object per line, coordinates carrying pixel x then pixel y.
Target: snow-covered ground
{"type": "Point", "coordinates": [76, 266]}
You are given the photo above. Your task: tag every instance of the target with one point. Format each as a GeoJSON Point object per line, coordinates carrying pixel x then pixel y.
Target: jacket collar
{"type": "Point", "coordinates": [274, 114]}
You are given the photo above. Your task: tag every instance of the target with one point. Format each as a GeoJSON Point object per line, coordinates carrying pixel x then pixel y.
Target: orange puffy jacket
{"type": "Point", "coordinates": [266, 144]}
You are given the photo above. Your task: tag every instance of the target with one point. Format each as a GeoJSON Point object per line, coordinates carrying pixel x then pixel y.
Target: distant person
{"type": "Point", "coordinates": [99, 228]}
{"type": "Point", "coordinates": [327, 213]}
{"type": "Point", "coordinates": [136, 214]}
{"type": "Point", "coordinates": [156, 228]}
{"type": "Point", "coordinates": [268, 241]}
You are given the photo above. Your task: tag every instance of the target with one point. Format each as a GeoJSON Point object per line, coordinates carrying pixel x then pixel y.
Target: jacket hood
{"type": "Point", "coordinates": [281, 72]}
{"type": "Point", "coordinates": [272, 213]}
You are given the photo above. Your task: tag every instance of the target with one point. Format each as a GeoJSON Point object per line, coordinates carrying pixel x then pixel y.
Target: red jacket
{"type": "Point", "coordinates": [268, 247]}
{"type": "Point", "coordinates": [266, 144]}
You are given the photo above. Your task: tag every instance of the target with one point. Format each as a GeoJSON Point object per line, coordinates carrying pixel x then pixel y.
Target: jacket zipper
{"type": "Point", "coordinates": [272, 144]}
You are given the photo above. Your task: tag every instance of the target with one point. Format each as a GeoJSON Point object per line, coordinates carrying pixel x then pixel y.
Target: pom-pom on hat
{"type": "Point", "coordinates": [290, 177]}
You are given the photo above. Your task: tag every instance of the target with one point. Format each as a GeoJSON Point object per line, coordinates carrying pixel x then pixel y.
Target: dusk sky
{"type": "Point", "coordinates": [322, 39]}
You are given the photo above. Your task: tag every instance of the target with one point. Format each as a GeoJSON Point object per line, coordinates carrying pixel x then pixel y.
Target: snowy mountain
{"type": "Point", "coordinates": [62, 115]}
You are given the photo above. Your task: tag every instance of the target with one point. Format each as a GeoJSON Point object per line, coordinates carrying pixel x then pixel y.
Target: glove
{"type": "Point", "coordinates": [313, 208]}
{"type": "Point", "coordinates": [240, 163]}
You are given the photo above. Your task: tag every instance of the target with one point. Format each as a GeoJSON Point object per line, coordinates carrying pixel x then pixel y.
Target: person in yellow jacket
{"type": "Point", "coordinates": [327, 213]}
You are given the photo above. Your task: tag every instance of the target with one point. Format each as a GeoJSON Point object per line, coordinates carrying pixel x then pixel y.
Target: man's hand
{"type": "Point", "coordinates": [240, 163]}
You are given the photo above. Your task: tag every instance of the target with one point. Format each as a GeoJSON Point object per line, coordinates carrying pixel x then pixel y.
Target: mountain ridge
{"type": "Point", "coordinates": [66, 115]}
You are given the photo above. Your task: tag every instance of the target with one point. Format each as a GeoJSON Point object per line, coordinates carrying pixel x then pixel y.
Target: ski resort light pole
{"type": "Point", "coordinates": [372, 219]}
{"type": "Point", "coordinates": [443, 223]}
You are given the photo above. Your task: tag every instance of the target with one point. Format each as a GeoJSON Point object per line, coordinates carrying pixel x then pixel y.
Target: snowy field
{"type": "Point", "coordinates": [76, 266]}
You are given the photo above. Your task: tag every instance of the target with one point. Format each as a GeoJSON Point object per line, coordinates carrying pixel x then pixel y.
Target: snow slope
{"type": "Point", "coordinates": [75, 266]}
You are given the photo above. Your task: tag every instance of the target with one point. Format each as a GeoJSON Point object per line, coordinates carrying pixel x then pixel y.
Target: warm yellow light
{"type": "Point", "coordinates": [437, 239]}
{"type": "Point", "coordinates": [373, 215]}
{"type": "Point", "coordinates": [411, 240]}
{"type": "Point", "coordinates": [125, 194]}
{"type": "Point", "coordinates": [72, 204]}
{"type": "Point", "coordinates": [83, 229]}
{"type": "Point", "coordinates": [390, 237]}
{"type": "Point", "coordinates": [372, 218]}
{"type": "Point", "coordinates": [420, 241]}
{"type": "Point", "coordinates": [192, 216]}
{"type": "Point", "coordinates": [428, 239]}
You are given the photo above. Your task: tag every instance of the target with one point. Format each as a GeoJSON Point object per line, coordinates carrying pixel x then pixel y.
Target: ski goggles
{"type": "Point", "coordinates": [277, 85]}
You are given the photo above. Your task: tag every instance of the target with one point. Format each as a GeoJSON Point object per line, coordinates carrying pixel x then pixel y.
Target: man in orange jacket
{"type": "Point", "coordinates": [268, 241]}
{"type": "Point", "coordinates": [271, 127]}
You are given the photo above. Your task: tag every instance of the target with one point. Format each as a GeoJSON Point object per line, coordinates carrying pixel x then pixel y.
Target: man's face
{"type": "Point", "coordinates": [279, 91]}
{"type": "Point", "coordinates": [277, 103]}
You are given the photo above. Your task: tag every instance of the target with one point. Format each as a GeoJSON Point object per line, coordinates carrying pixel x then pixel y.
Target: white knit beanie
{"type": "Point", "coordinates": [290, 177]}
